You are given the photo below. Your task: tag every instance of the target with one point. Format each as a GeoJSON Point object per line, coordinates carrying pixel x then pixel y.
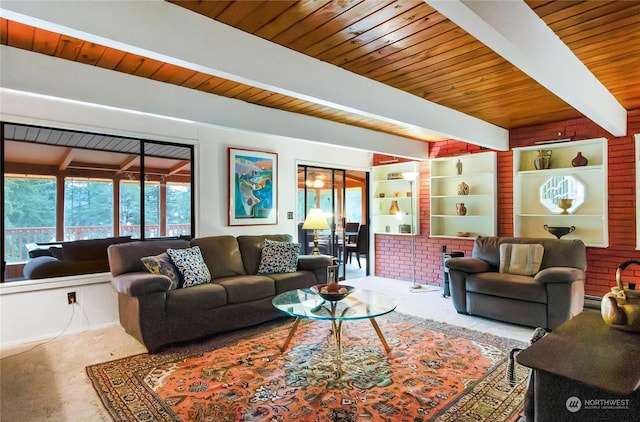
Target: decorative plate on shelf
{"type": "Point", "coordinates": [341, 294]}
{"type": "Point", "coordinates": [463, 234]}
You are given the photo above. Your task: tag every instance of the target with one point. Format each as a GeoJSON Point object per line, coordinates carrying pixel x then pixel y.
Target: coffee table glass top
{"type": "Point", "coordinates": [360, 304]}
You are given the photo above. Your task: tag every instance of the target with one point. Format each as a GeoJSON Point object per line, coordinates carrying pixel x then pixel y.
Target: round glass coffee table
{"type": "Point", "coordinates": [360, 304]}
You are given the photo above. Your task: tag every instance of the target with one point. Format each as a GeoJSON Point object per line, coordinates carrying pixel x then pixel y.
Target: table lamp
{"type": "Point", "coordinates": [315, 221]}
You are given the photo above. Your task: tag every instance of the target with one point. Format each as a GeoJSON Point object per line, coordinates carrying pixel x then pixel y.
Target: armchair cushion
{"type": "Point", "coordinates": [520, 259]}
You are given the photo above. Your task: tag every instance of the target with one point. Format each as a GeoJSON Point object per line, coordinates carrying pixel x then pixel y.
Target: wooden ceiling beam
{"type": "Point", "coordinates": [304, 77]}
{"type": "Point", "coordinates": [514, 31]}
{"type": "Point", "coordinates": [68, 158]}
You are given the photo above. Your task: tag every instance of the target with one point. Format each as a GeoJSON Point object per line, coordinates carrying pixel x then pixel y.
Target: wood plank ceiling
{"type": "Point", "coordinates": [405, 44]}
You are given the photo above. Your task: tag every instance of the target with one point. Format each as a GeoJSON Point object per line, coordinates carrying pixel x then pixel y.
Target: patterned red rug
{"type": "Point", "coordinates": [434, 371]}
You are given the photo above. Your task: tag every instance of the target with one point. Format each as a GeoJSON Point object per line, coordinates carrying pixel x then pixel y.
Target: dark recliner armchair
{"type": "Point", "coordinates": [553, 295]}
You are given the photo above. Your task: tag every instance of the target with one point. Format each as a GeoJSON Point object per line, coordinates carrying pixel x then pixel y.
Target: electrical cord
{"type": "Point", "coordinates": [73, 313]}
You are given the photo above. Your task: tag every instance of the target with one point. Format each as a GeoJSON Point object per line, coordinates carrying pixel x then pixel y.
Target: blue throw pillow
{"type": "Point", "coordinates": [192, 267]}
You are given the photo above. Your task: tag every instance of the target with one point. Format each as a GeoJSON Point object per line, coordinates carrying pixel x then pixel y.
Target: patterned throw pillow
{"type": "Point", "coordinates": [191, 266]}
{"type": "Point", "coordinates": [162, 264]}
{"type": "Point", "coordinates": [278, 257]}
{"type": "Point", "coordinates": [522, 259]}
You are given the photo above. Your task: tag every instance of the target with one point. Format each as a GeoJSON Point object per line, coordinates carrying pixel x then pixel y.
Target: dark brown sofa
{"type": "Point", "coordinates": [236, 297]}
{"type": "Point", "coordinates": [72, 258]}
{"type": "Point", "coordinates": [549, 298]}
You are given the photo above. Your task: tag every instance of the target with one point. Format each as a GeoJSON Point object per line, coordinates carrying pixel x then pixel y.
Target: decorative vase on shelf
{"type": "Point", "coordinates": [543, 159]}
{"type": "Point", "coordinates": [565, 204]}
{"type": "Point", "coordinates": [579, 160]}
{"type": "Point", "coordinates": [559, 231]}
{"type": "Point", "coordinates": [459, 167]}
{"type": "Point", "coordinates": [393, 210]}
{"type": "Point", "coordinates": [461, 209]}
{"type": "Point", "coordinates": [463, 189]}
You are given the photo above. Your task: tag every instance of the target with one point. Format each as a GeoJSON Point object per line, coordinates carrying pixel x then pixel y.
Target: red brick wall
{"type": "Point", "coordinates": [393, 253]}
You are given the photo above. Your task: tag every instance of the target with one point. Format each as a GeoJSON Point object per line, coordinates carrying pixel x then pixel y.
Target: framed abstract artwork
{"type": "Point", "coordinates": [253, 187]}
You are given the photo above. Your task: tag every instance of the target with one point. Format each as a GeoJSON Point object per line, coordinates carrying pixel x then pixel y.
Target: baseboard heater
{"type": "Point", "coordinates": [592, 301]}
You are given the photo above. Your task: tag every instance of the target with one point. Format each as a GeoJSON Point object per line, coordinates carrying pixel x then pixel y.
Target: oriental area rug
{"type": "Point", "coordinates": [434, 372]}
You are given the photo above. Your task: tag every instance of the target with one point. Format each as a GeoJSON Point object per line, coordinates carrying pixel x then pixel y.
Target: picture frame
{"type": "Point", "coordinates": [253, 187]}
{"type": "Point", "coordinates": [332, 274]}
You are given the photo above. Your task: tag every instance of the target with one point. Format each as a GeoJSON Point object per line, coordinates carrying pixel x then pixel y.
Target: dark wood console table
{"type": "Point", "coordinates": [585, 371]}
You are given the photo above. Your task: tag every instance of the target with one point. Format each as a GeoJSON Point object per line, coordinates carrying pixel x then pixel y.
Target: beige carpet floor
{"type": "Point", "coordinates": [47, 382]}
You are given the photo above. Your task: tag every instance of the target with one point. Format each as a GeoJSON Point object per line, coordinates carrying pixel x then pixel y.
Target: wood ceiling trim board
{"type": "Point", "coordinates": [588, 14]}
{"type": "Point", "coordinates": [90, 53]}
{"type": "Point", "coordinates": [45, 42]}
{"type": "Point", "coordinates": [207, 8]}
{"type": "Point", "coordinates": [582, 34]}
{"type": "Point", "coordinates": [379, 36]}
{"type": "Point", "coordinates": [315, 24]}
{"type": "Point", "coordinates": [210, 85]}
{"type": "Point", "coordinates": [381, 64]}
{"type": "Point", "coordinates": [325, 29]}
{"type": "Point", "coordinates": [386, 43]}
{"type": "Point", "coordinates": [68, 48]}
{"type": "Point", "coordinates": [284, 21]}
{"type": "Point", "coordinates": [21, 35]}
{"type": "Point", "coordinates": [196, 80]}
{"type": "Point", "coordinates": [264, 14]}
{"type": "Point", "coordinates": [111, 59]}
{"type": "Point", "coordinates": [183, 165]}
{"type": "Point", "coordinates": [147, 67]}
{"type": "Point", "coordinates": [238, 91]}
{"type": "Point", "coordinates": [235, 12]}
{"type": "Point", "coordinates": [4, 31]}
{"type": "Point", "coordinates": [172, 74]}
{"type": "Point", "coordinates": [349, 32]}
{"type": "Point", "coordinates": [443, 72]}
{"type": "Point", "coordinates": [458, 75]}
{"type": "Point", "coordinates": [625, 32]}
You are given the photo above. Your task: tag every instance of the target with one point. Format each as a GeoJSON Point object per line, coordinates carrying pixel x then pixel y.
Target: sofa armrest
{"type": "Point", "coordinates": [317, 264]}
{"type": "Point", "coordinates": [468, 265]}
{"type": "Point", "coordinates": [313, 262]}
{"type": "Point", "coordinates": [559, 275]}
{"type": "Point", "coordinates": [140, 283]}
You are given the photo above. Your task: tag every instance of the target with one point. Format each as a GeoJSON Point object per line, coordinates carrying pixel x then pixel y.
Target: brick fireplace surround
{"type": "Point", "coordinates": [393, 257]}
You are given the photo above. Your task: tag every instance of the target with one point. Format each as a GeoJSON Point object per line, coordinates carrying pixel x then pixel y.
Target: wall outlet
{"type": "Point", "coordinates": [71, 298]}
{"type": "Point", "coordinates": [290, 215]}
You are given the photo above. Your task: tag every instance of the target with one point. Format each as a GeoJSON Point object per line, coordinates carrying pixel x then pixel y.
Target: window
{"type": "Point", "coordinates": [88, 209]}
{"type": "Point", "coordinates": [29, 213]}
{"type": "Point", "coordinates": [62, 185]}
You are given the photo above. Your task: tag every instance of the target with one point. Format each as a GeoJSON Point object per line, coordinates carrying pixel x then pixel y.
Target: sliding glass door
{"type": "Point", "coordinates": [342, 196]}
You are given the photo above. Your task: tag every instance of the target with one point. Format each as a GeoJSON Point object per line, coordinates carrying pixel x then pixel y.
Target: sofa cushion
{"type": "Point", "coordinates": [278, 257]}
{"type": "Point", "coordinates": [251, 249]}
{"type": "Point", "coordinates": [162, 265]}
{"type": "Point", "coordinates": [193, 270]}
{"type": "Point", "coordinates": [522, 259]}
{"type": "Point", "coordinates": [512, 286]}
{"type": "Point", "coordinates": [291, 281]}
{"type": "Point", "coordinates": [222, 255]}
{"type": "Point", "coordinates": [194, 301]}
{"type": "Point", "coordinates": [247, 288]}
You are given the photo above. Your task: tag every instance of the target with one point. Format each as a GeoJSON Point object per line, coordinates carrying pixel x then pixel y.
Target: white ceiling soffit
{"type": "Point", "coordinates": [514, 31]}
{"type": "Point", "coordinates": [161, 30]}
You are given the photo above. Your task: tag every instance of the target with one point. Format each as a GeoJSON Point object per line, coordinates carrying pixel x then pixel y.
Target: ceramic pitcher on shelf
{"type": "Point", "coordinates": [461, 209]}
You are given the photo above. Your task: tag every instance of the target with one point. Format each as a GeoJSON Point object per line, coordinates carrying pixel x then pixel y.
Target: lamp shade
{"type": "Point", "coordinates": [410, 176]}
{"type": "Point", "coordinates": [315, 220]}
